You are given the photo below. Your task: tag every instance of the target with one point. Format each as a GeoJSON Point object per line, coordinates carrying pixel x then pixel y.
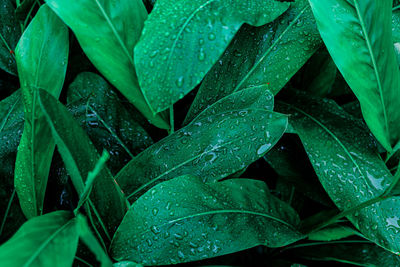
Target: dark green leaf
{"type": "Point", "coordinates": [224, 139]}
{"type": "Point", "coordinates": [350, 28]}
{"type": "Point", "coordinates": [346, 160]}
{"type": "Point", "coordinates": [48, 240]}
{"type": "Point", "coordinates": [80, 157]}
{"type": "Point", "coordinates": [105, 119]}
{"type": "Point", "coordinates": [185, 219]}
{"type": "Point", "coordinates": [330, 233]}
{"type": "Point", "coordinates": [181, 41]}
{"type": "Point", "coordinates": [108, 31]}
{"type": "Point", "coordinates": [257, 56]}
{"type": "Point", "coordinates": [42, 55]}
{"type": "Point", "coordinates": [10, 33]}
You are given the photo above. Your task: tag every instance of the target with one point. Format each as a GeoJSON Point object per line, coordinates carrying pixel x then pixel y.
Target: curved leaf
{"type": "Point", "coordinates": [346, 160]}
{"type": "Point", "coordinates": [363, 30]}
{"type": "Point", "coordinates": [107, 32]}
{"type": "Point", "coordinates": [80, 157]}
{"type": "Point", "coordinates": [10, 33]}
{"type": "Point", "coordinates": [182, 40]}
{"type": "Point", "coordinates": [187, 220]}
{"type": "Point", "coordinates": [48, 240]}
{"type": "Point", "coordinates": [42, 54]}
{"type": "Point", "coordinates": [224, 139]}
{"type": "Point", "coordinates": [259, 55]}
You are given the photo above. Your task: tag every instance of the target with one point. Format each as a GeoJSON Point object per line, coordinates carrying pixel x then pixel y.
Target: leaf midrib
{"type": "Point", "coordinates": [46, 242]}
{"type": "Point", "coordinates": [376, 72]}
{"type": "Point", "coordinates": [275, 43]}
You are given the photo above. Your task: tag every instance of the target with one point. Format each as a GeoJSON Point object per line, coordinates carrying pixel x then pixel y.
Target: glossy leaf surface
{"type": "Point", "coordinates": [189, 220]}
{"type": "Point", "coordinates": [107, 32]}
{"type": "Point", "coordinates": [48, 240]}
{"type": "Point", "coordinates": [181, 41]}
{"type": "Point", "coordinates": [10, 33]}
{"type": "Point", "coordinates": [259, 55]}
{"type": "Point", "coordinates": [358, 33]}
{"type": "Point", "coordinates": [42, 55]}
{"type": "Point", "coordinates": [345, 157]}
{"type": "Point", "coordinates": [224, 139]}
{"type": "Point", "coordinates": [80, 157]}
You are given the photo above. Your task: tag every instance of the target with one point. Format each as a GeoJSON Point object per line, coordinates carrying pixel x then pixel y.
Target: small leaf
{"type": "Point", "coordinates": [331, 233]}
{"type": "Point", "coordinates": [185, 219]}
{"type": "Point", "coordinates": [80, 157]}
{"type": "Point", "coordinates": [107, 32]}
{"type": "Point", "coordinates": [224, 139]}
{"type": "Point", "coordinates": [181, 41]}
{"type": "Point", "coordinates": [10, 33]}
{"type": "Point", "coordinates": [48, 240]}
{"type": "Point", "coordinates": [345, 157]}
{"type": "Point", "coordinates": [42, 54]}
{"type": "Point", "coordinates": [349, 27]}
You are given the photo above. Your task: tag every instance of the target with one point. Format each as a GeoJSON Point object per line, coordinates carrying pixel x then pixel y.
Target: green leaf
{"type": "Point", "coordinates": [80, 157]}
{"type": "Point", "coordinates": [350, 28]}
{"type": "Point", "coordinates": [181, 41]}
{"type": "Point", "coordinates": [259, 55]}
{"type": "Point", "coordinates": [11, 125]}
{"type": "Point", "coordinates": [185, 219]}
{"type": "Point", "coordinates": [346, 160]}
{"type": "Point", "coordinates": [107, 32]}
{"type": "Point", "coordinates": [109, 124]}
{"type": "Point", "coordinates": [331, 233]}
{"type": "Point", "coordinates": [10, 33]}
{"type": "Point", "coordinates": [86, 235]}
{"type": "Point", "coordinates": [41, 53]}
{"type": "Point", "coordinates": [47, 240]}
{"type": "Point", "coordinates": [355, 253]}
{"type": "Point", "coordinates": [224, 139]}
{"type": "Point", "coordinates": [127, 264]}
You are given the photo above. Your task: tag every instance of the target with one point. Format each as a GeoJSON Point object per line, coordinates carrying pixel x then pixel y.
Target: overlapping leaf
{"type": "Point", "coordinates": [42, 55]}
{"type": "Point", "coordinates": [48, 240]}
{"type": "Point", "coordinates": [181, 42]}
{"type": "Point", "coordinates": [185, 219]}
{"type": "Point", "coordinates": [224, 139]}
{"type": "Point", "coordinates": [346, 160]}
{"type": "Point", "coordinates": [359, 33]}
{"type": "Point", "coordinates": [107, 32]}
{"type": "Point", "coordinates": [269, 54]}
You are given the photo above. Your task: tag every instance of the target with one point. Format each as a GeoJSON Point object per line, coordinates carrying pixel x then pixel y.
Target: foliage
{"type": "Point", "coordinates": [199, 133]}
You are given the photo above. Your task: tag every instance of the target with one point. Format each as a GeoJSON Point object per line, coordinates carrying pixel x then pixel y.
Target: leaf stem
{"type": "Point", "coordinates": [171, 119]}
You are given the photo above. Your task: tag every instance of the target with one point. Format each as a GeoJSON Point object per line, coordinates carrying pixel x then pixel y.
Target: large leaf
{"type": "Point", "coordinates": [359, 33]}
{"type": "Point", "coordinates": [48, 240]}
{"type": "Point", "coordinates": [108, 123]}
{"type": "Point", "coordinates": [224, 139]}
{"type": "Point", "coordinates": [186, 220]}
{"type": "Point", "coordinates": [11, 125]}
{"type": "Point", "coordinates": [42, 55]}
{"type": "Point", "coordinates": [80, 157]}
{"type": "Point", "coordinates": [10, 33]}
{"type": "Point", "coordinates": [107, 32]}
{"type": "Point", "coordinates": [346, 160]}
{"type": "Point", "coordinates": [259, 55]}
{"type": "Point", "coordinates": [181, 41]}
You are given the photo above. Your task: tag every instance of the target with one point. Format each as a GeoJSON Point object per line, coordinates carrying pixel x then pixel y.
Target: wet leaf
{"type": "Point", "coordinates": [47, 240]}
{"type": "Point", "coordinates": [181, 42]}
{"type": "Point", "coordinates": [259, 55]}
{"type": "Point", "coordinates": [107, 32]}
{"type": "Point", "coordinates": [80, 157]}
{"type": "Point", "coordinates": [42, 55]}
{"type": "Point", "coordinates": [185, 219]}
{"type": "Point", "coordinates": [224, 139]}
{"type": "Point", "coordinates": [350, 27]}
{"type": "Point", "coordinates": [345, 157]}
